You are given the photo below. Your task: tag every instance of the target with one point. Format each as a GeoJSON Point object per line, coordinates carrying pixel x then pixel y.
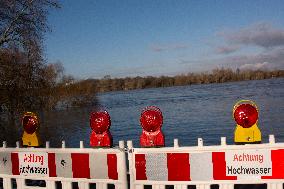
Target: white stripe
{"type": "Point", "coordinates": [201, 166]}
{"type": "Point", "coordinates": [63, 163]}
{"type": "Point", "coordinates": [156, 166]}
{"type": "Point", "coordinates": [5, 163]}
{"type": "Point", "coordinates": [98, 166]}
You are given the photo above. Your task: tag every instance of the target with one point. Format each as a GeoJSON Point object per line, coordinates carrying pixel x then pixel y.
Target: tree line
{"type": "Point", "coordinates": [215, 76]}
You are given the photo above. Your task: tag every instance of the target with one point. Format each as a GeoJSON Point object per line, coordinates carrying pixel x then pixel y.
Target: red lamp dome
{"type": "Point", "coordinates": [246, 115]}
{"type": "Point", "coordinates": [151, 119]}
{"type": "Point", "coordinates": [30, 123]}
{"type": "Point", "coordinates": [100, 121]}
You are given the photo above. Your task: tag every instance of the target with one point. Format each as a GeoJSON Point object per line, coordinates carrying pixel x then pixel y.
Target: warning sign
{"type": "Point", "coordinates": [33, 163]}
{"type": "Point", "coordinates": [248, 163]}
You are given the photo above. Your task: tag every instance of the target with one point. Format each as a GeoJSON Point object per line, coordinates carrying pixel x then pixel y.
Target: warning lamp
{"type": "Point", "coordinates": [30, 124]}
{"type": "Point", "coordinates": [151, 121]}
{"type": "Point", "coordinates": [245, 113]}
{"type": "Point", "coordinates": [100, 123]}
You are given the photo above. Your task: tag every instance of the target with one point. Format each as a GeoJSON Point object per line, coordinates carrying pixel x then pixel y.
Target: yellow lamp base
{"type": "Point", "coordinates": [251, 135]}
{"type": "Point", "coordinates": [31, 140]}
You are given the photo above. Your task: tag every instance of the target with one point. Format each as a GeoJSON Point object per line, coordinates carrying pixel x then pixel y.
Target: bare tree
{"type": "Point", "coordinates": [23, 22]}
{"type": "Point", "coordinates": [22, 68]}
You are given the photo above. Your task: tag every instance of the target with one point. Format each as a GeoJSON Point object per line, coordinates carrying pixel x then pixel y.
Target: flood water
{"type": "Point", "coordinates": [198, 110]}
{"type": "Point", "coordinates": [189, 112]}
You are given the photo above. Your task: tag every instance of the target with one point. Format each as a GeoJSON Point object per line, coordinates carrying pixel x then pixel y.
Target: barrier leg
{"type": "Point", "coordinates": [274, 186]}
{"type": "Point", "coordinates": [120, 186]}
{"type": "Point", "coordinates": [131, 166]}
{"type": "Point", "coordinates": [7, 183]}
{"type": "Point", "coordinates": [66, 185]}
{"type": "Point", "coordinates": [50, 184]}
{"type": "Point", "coordinates": [203, 186]}
{"type": "Point", "coordinates": [180, 186]}
{"type": "Point", "coordinates": [122, 169]}
{"type": "Point", "coordinates": [226, 186]}
{"type": "Point", "coordinates": [101, 185]}
{"type": "Point", "coordinates": [20, 183]}
{"type": "Point", "coordinates": [158, 186]}
{"type": "Point", "coordinates": [83, 185]}
{"type": "Point", "coordinates": [137, 186]}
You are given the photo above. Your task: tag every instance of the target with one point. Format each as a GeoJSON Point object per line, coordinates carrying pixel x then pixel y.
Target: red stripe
{"type": "Point", "coordinates": [277, 158]}
{"type": "Point", "coordinates": [112, 166]}
{"type": "Point", "coordinates": [178, 167]}
{"type": "Point", "coordinates": [15, 163]}
{"type": "Point", "coordinates": [80, 165]}
{"type": "Point", "coordinates": [140, 166]}
{"type": "Point", "coordinates": [51, 164]}
{"type": "Point", "coordinates": [219, 167]}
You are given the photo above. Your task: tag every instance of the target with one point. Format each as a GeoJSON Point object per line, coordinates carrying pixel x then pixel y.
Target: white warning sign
{"type": "Point", "coordinates": [248, 163]}
{"type": "Point", "coordinates": [33, 163]}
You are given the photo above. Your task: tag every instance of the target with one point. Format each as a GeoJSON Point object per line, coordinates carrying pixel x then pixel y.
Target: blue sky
{"type": "Point", "coordinates": [94, 38]}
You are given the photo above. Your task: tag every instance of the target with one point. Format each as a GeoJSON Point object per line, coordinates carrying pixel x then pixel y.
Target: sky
{"type": "Point", "coordinates": [128, 38]}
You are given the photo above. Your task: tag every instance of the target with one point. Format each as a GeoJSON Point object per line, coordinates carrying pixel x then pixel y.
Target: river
{"type": "Point", "coordinates": [189, 112]}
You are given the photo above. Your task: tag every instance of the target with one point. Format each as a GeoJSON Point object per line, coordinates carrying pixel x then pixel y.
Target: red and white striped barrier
{"type": "Point", "coordinates": [202, 166]}
{"type": "Point", "coordinates": [67, 165]}
{"type": "Point", "coordinates": [101, 166]}
{"type": "Point", "coordinates": [205, 165]}
{"type": "Point", "coordinates": [224, 165]}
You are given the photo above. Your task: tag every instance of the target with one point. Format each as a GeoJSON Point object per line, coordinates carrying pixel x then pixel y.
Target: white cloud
{"type": "Point", "coordinates": [227, 49]}
{"type": "Point", "coordinates": [273, 59]}
{"type": "Point", "coordinates": [261, 35]}
{"type": "Point", "coordinates": [269, 59]}
{"type": "Point", "coordinates": [257, 66]}
{"type": "Point", "coordinates": [269, 55]}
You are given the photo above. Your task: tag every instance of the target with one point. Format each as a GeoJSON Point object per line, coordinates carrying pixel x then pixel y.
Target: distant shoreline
{"type": "Point", "coordinates": [108, 84]}
{"type": "Point", "coordinates": [191, 85]}
{"type": "Point", "coordinates": [82, 93]}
